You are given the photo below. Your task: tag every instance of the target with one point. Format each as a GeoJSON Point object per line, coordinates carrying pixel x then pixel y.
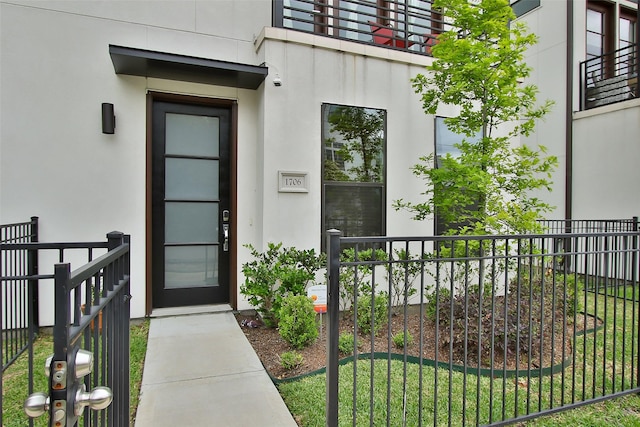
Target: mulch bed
{"type": "Point", "coordinates": [269, 345]}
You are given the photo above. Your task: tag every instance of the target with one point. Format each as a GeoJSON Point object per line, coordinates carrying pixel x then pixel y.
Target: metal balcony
{"type": "Point", "coordinates": [401, 24]}
{"type": "Point", "coordinates": [610, 78]}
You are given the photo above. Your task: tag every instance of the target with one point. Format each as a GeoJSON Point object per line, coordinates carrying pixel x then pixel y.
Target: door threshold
{"type": "Point", "coordinates": [186, 311]}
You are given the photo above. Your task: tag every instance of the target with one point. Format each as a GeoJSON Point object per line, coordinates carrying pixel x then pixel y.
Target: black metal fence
{"type": "Point", "coordinates": [480, 330]}
{"type": "Point", "coordinates": [99, 308]}
{"type": "Point", "coordinates": [18, 294]}
{"type": "Point", "coordinates": [614, 283]}
{"type": "Point", "coordinates": [92, 315]}
{"type": "Point", "coordinates": [555, 226]}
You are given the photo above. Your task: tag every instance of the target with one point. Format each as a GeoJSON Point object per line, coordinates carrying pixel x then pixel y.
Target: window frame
{"type": "Point", "coordinates": [631, 16]}
{"type": "Point", "coordinates": [520, 7]}
{"type": "Point", "coordinates": [612, 15]}
{"type": "Point", "coordinates": [324, 183]}
{"type": "Point", "coordinates": [608, 35]}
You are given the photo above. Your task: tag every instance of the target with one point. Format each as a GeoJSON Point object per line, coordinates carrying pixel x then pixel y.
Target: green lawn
{"type": "Point", "coordinates": [604, 362]}
{"type": "Point", "coordinates": [15, 378]}
{"type": "Point", "coordinates": [621, 291]}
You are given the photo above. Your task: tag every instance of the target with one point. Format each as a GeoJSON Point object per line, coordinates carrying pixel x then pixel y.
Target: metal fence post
{"type": "Point", "coordinates": [333, 307]}
{"type": "Point", "coordinates": [126, 316]}
{"type": "Point", "coordinates": [33, 283]}
{"type": "Point", "coordinates": [114, 239]}
{"type": "Point", "coordinates": [634, 281]}
{"type": "Point", "coordinates": [59, 386]}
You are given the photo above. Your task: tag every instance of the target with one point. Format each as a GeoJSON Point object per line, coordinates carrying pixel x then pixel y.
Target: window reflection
{"type": "Point", "coordinates": [353, 143]}
{"type": "Point", "coordinates": [356, 16]}
{"type": "Point", "coordinates": [353, 197]}
{"type": "Point", "coordinates": [298, 15]}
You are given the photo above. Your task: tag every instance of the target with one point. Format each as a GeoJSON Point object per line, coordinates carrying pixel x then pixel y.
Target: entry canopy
{"type": "Point", "coordinates": [148, 63]}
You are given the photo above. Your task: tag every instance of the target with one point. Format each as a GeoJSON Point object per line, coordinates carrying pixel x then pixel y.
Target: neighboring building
{"type": "Point", "coordinates": [587, 62]}
{"type": "Point", "coordinates": [227, 125]}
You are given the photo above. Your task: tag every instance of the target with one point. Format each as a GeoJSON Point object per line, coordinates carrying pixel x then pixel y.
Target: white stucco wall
{"type": "Point", "coordinates": [606, 172]}
{"type": "Point", "coordinates": [315, 74]}
{"type": "Point", "coordinates": [548, 63]}
{"type": "Point", "coordinates": [314, 71]}
{"type": "Point", "coordinates": [55, 71]}
{"type": "Point", "coordinates": [604, 148]}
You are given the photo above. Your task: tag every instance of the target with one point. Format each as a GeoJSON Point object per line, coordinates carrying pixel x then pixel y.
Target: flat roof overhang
{"type": "Point", "coordinates": [147, 63]}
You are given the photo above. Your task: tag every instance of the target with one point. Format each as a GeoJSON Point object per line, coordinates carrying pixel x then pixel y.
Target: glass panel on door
{"type": "Point", "coordinates": [190, 135]}
{"type": "Point", "coordinates": [190, 193]}
{"type": "Point", "coordinates": [191, 179]}
{"type": "Point", "coordinates": [191, 266]}
{"type": "Point", "coordinates": [195, 179]}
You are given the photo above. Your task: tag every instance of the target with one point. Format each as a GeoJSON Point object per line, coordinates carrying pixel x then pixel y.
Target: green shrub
{"type": "Point", "coordinates": [490, 322]}
{"type": "Point", "coordinates": [291, 360]}
{"type": "Point", "coordinates": [404, 271]}
{"type": "Point", "coordinates": [431, 302]}
{"type": "Point", "coordinates": [298, 321]}
{"type": "Point", "coordinates": [399, 339]}
{"type": "Point", "coordinates": [380, 311]}
{"type": "Point", "coordinates": [348, 274]}
{"type": "Point", "coordinates": [276, 273]}
{"type": "Point", "coordinates": [346, 342]}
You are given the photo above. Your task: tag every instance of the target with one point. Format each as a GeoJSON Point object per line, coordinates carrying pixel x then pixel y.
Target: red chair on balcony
{"type": "Point", "coordinates": [385, 36]}
{"type": "Point", "coordinates": [430, 40]}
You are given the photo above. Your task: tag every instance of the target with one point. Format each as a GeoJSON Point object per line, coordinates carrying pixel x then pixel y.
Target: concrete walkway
{"type": "Point", "coordinates": [200, 370]}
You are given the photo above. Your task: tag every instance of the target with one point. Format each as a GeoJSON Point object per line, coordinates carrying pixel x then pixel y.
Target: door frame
{"type": "Point", "coordinates": [232, 105]}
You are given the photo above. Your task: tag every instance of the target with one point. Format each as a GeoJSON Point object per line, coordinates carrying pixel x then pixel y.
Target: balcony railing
{"type": "Point", "coordinates": [610, 78]}
{"type": "Point", "coordinates": [401, 24]}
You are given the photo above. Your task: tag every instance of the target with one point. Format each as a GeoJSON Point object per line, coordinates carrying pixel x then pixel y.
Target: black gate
{"type": "Point", "coordinates": [89, 367]}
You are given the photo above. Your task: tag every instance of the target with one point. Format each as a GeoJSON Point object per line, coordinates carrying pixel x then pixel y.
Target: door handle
{"type": "Point", "coordinates": [225, 244]}
{"type": "Point", "coordinates": [225, 229]}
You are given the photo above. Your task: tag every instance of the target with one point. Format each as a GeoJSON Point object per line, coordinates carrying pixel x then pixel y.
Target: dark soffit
{"type": "Point", "coordinates": [147, 63]}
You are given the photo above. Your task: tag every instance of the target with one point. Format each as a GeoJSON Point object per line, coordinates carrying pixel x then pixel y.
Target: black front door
{"type": "Point", "coordinates": [190, 202]}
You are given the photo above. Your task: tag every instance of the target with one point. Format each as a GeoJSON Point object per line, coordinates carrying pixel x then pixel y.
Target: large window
{"type": "Point", "coordinates": [447, 144]}
{"type": "Point", "coordinates": [627, 39]}
{"type": "Point", "coordinates": [520, 7]}
{"type": "Point", "coordinates": [353, 170]}
{"type": "Point", "coordinates": [599, 40]}
{"type": "Point", "coordinates": [609, 28]}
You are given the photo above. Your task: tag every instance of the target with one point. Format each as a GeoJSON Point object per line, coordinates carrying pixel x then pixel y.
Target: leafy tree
{"type": "Point", "coordinates": [333, 172]}
{"type": "Point", "coordinates": [489, 188]}
{"type": "Point", "coordinates": [479, 67]}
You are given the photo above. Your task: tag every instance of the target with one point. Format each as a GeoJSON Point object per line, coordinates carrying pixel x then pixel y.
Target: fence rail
{"type": "Point", "coordinates": [20, 278]}
{"type": "Point", "coordinates": [481, 330]}
{"type": "Point", "coordinates": [92, 314]}
{"type": "Point", "coordinates": [588, 225]}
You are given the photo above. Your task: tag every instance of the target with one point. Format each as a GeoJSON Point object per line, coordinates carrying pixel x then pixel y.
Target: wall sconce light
{"type": "Point", "coordinates": [108, 119]}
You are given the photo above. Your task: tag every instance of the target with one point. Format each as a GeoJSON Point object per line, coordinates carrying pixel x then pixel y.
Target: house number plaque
{"type": "Point", "coordinates": [293, 182]}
